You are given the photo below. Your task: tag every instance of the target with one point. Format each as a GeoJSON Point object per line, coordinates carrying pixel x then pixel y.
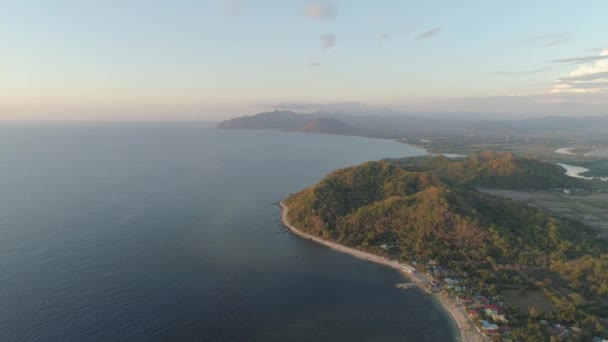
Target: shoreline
{"type": "Point", "coordinates": [576, 171]}
{"type": "Point", "coordinates": [468, 332]}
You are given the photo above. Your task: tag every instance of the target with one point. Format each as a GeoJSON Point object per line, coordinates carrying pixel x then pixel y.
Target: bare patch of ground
{"type": "Point", "coordinates": [527, 299]}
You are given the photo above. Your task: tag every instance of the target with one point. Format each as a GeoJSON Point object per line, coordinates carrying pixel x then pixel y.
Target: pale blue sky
{"type": "Point", "coordinates": [207, 59]}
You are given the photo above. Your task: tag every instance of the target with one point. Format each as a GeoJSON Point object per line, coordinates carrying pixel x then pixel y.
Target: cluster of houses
{"type": "Point", "coordinates": [486, 312]}
{"type": "Point", "coordinates": [451, 282]}
{"type": "Point", "coordinates": [434, 269]}
{"type": "Point", "coordinates": [490, 319]}
{"type": "Point", "coordinates": [560, 330]}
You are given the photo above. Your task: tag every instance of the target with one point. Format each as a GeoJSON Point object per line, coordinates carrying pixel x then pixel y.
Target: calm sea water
{"type": "Point", "coordinates": [134, 232]}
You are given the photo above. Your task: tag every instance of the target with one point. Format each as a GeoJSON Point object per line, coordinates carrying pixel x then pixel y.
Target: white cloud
{"type": "Point", "coordinates": [586, 78]}
{"type": "Point", "coordinates": [320, 9]}
{"type": "Point", "coordinates": [548, 39]}
{"type": "Point", "coordinates": [581, 60]}
{"type": "Point", "coordinates": [328, 41]}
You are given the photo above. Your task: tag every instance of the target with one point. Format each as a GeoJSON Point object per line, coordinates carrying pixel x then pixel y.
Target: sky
{"type": "Point", "coordinates": [213, 59]}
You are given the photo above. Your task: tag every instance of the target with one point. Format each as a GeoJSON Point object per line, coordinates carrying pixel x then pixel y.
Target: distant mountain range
{"type": "Point", "coordinates": [279, 119]}
{"type": "Point", "coordinates": [396, 126]}
{"type": "Point", "coordinates": [291, 121]}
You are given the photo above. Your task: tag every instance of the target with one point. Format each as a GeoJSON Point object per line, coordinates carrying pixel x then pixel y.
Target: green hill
{"type": "Point", "coordinates": [497, 169]}
{"type": "Point", "coordinates": [425, 209]}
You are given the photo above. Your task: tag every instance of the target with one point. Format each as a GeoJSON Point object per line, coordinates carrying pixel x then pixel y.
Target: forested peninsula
{"type": "Point", "coordinates": [486, 251]}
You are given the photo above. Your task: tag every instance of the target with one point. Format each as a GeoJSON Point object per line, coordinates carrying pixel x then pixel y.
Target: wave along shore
{"type": "Point", "coordinates": [468, 332]}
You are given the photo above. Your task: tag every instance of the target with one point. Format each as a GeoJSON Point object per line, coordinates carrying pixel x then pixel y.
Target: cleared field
{"type": "Point", "coordinates": [527, 299]}
{"type": "Point", "coordinates": [590, 209]}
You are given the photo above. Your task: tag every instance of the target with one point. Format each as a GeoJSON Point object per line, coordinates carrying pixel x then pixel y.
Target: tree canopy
{"type": "Point", "coordinates": [426, 208]}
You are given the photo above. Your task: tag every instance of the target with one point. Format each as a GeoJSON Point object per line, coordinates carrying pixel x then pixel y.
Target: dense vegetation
{"type": "Point", "coordinates": [497, 170]}
{"type": "Point", "coordinates": [426, 208]}
{"type": "Point", "coordinates": [597, 167]}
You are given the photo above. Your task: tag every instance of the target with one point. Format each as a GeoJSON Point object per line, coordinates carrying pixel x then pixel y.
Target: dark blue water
{"type": "Point", "coordinates": [132, 232]}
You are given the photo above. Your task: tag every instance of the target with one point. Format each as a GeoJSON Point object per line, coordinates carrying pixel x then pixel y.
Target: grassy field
{"type": "Point", "coordinates": [590, 209]}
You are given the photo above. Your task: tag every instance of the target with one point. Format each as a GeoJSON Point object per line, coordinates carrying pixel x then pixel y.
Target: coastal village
{"type": "Point", "coordinates": [488, 314]}
{"type": "Point", "coordinates": [479, 317]}
{"type": "Point", "coordinates": [479, 311]}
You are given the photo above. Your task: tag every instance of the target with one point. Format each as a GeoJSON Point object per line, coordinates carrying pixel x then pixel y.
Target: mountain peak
{"type": "Point", "coordinates": [289, 121]}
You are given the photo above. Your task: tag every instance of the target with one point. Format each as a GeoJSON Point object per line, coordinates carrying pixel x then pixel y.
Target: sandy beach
{"type": "Point", "coordinates": [468, 332]}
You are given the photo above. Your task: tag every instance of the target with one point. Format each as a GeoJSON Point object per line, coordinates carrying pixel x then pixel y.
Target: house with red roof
{"type": "Point", "coordinates": [493, 310]}
{"type": "Point", "coordinates": [473, 313]}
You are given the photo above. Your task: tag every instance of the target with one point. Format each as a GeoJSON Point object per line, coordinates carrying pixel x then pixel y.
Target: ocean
{"type": "Point", "coordinates": [170, 232]}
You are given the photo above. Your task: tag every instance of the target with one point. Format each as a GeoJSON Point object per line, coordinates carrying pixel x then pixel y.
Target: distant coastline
{"type": "Point", "coordinates": [466, 329]}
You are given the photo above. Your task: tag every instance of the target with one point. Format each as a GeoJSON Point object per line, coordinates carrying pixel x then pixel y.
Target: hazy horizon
{"type": "Point", "coordinates": [146, 118]}
{"type": "Point", "coordinates": [216, 59]}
